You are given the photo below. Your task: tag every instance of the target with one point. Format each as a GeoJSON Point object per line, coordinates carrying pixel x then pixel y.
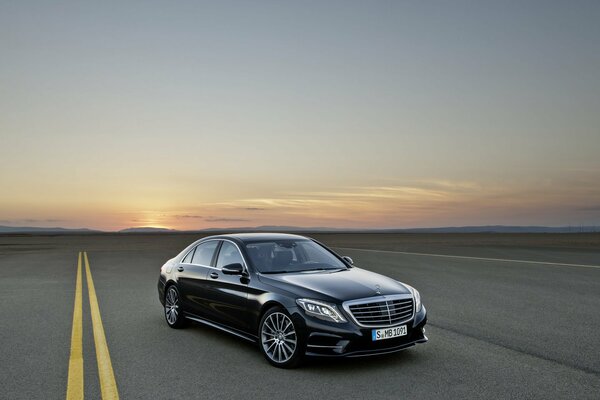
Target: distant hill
{"type": "Point", "coordinates": [501, 229]}
{"type": "Point", "coordinates": [147, 229]}
{"type": "Point", "coordinates": [39, 229]}
{"type": "Point", "coordinates": [449, 229]}
{"type": "Point", "coordinates": [273, 228]}
{"type": "Point", "coordinates": [278, 228]}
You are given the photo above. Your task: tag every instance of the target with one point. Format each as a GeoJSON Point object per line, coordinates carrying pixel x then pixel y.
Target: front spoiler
{"type": "Point", "coordinates": [367, 353]}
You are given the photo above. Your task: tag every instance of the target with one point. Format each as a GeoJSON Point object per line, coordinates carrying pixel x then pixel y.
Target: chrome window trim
{"type": "Point", "coordinates": [186, 254]}
{"type": "Point", "coordinates": [346, 306]}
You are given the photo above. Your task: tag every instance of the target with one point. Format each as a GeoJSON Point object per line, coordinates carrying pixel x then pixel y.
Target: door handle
{"type": "Point", "coordinates": [214, 275]}
{"type": "Point", "coordinates": [180, 269]}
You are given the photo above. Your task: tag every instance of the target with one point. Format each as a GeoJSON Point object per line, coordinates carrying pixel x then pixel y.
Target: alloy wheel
{"type": "Point", "coordinates": [172, 305]}
{"type": "Point", "coordinates": [278, 337]}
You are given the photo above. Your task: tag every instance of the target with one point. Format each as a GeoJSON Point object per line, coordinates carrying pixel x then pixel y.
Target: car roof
{"type": "Point", "coordinates": [252, 237]}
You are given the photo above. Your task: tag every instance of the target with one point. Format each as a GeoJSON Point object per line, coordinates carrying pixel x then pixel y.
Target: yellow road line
{"type": "Point", "coordinates": [108, 385]}
{"type": "Point", "coordinates": [75, 380]}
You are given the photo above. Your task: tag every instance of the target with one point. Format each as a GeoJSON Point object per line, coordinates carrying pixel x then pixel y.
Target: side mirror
{"type": "Point", "coordinates": [233, 269]}
{"type": "Point", "coordinates": [348, 260]}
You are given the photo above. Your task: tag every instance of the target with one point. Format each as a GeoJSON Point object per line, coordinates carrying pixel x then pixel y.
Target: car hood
{"type": "Point", "coordinates": [342, 285]}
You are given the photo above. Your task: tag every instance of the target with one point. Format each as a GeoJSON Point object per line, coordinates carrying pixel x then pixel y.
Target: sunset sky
{"type": "Point", "coordinates": [191, 115]}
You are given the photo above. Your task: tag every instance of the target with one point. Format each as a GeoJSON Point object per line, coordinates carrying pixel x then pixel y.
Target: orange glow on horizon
{"type": "Point", "coordinates": [419, 204]}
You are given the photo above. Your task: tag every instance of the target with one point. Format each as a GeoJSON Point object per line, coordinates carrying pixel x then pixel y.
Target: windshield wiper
{"type": "Point", "coordinates": [285, 271]}
{"type": "Point", "coordinates": [322, 269]}
{"type": "Point", "coordinates": [277, 272]}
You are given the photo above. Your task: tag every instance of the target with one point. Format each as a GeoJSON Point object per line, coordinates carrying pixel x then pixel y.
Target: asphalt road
{"type": "Point", "coordinates": [497, 329]}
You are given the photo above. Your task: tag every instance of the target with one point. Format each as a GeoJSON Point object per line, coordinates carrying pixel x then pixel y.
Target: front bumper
{"type": "Point", "coordinates": [324, 339]}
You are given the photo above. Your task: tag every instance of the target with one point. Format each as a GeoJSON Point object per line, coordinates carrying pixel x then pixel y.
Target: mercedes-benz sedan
{"type": "Point", "coordinates": [291, 295]}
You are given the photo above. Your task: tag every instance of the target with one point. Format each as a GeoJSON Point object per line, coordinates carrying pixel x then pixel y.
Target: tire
{"type": "Point", "coordinates": [279, 340]}
{"type": "Point", "coordinates": [173, 310]}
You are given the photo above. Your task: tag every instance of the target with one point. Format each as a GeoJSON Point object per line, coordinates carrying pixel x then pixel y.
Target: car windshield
{"type": "Point", "coordinates": [291, 255]}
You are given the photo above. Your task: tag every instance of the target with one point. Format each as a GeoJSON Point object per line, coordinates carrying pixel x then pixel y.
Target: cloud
{"type": "Point", "coordinates": [589, 208]}
{"type": "Point", "coordinates": [216, 219]}
{"type": "Point", "coordinates": [188, 216]}
{"type": "Point", "coordinates": [253, 208]}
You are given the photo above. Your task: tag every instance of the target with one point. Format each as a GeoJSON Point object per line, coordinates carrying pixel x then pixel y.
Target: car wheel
{"type": "Point", "coordinates": [173, 310]}
{"type": "Point", "coordinates": [279, 339]}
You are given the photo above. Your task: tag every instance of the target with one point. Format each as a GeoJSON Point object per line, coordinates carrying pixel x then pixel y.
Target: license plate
{"type": "Point", "coordinates": [388, 333]}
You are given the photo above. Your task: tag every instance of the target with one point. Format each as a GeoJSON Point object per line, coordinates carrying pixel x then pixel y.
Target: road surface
{"type": "Point", "coordinates": [504, 322]}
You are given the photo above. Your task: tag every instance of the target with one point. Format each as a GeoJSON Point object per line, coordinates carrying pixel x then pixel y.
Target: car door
{"type": "Point", "coordinates": [191, 277]}
{"type": "Point", "coordinates": [228, 294]}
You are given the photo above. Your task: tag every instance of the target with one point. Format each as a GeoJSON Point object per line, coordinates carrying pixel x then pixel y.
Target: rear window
{"type": "Point", "coordinates": [188, 257]}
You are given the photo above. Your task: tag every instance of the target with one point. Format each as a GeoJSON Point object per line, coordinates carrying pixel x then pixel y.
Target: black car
{"type": "Point", "coordinates": [292, 295]}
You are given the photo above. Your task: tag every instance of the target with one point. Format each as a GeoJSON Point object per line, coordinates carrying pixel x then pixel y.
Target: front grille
{"type": "Point", "coordinates": [382, 312]}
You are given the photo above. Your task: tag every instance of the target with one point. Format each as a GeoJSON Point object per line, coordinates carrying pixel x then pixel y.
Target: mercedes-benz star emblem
{"type": "Point", "coordinates": [377, 289]}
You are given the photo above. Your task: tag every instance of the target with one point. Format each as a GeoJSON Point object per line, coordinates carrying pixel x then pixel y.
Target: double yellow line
{"type": "Point", "coordinates": [108, 385]}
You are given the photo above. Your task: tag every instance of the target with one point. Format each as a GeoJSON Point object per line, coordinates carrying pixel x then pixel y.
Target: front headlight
{"type": "Point", "coordinates": [416, 297]}
{"type": "Point", "coordinates": [319, 309]}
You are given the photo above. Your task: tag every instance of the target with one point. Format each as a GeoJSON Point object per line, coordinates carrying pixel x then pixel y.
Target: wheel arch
{"type": "Point", "coordinates": [267, 306]}
{"type": "Point", "coordinates": [168, 284]}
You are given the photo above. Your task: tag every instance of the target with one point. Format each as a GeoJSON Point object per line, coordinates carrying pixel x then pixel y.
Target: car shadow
{"type": "Point", "coordinates": [329, 365]}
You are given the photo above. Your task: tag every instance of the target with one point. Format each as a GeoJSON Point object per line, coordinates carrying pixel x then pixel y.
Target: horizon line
{"type": "Point", "coordinates": [497, 228]}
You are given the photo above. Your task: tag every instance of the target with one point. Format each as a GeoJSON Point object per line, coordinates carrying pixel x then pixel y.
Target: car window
{"type": "Point", "coordinates": [291, 256]}
{"type": "Point", "coordinates": [188, 257]}
{"type": "Point", "coordinates": [229, 254]}
{"type": "Point", "coordinates": [204, 253]}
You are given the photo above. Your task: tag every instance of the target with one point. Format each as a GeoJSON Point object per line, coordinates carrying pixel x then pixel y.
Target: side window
{"type": "Point", "coordinates": [229, 254]}
{"type": "Point", "coordinates": [204, 253]}
{"type": "Point", "coordinates": [188, 257]}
